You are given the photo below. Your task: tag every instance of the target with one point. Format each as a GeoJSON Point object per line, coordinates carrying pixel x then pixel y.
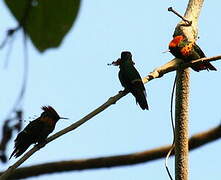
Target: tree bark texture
{"type": "Point", "coordinates": [182, 93]}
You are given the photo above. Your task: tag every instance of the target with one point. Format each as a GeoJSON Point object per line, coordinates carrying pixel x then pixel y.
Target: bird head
{"type": "Point", "coordinates": [50, 112]}
{"type": "Point", "coordinates": [125, 56]}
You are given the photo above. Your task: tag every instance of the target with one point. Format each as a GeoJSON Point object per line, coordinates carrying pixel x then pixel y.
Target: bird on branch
{"type": "Point", "coordinates": [36, 131]}
{"type": "Point", "coordinates": [131, 79]}
{"type": "Point", "coordinates": [183, 49]}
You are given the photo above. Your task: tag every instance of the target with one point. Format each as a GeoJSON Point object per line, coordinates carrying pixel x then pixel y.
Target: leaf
{"type": "Point", "coordinates": [45, 21]}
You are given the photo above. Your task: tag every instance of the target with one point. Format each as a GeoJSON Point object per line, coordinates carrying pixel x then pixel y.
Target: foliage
{"type": "Point", "coordinates": [46, 22]}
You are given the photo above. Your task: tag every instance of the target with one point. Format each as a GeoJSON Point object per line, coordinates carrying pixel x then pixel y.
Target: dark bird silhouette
{"type": "Point", "coordinates": [36, 131]}
{"type": "Point", "coordinates": [181, 48]}
{"type": "Point", "coordinates": [131, 79]}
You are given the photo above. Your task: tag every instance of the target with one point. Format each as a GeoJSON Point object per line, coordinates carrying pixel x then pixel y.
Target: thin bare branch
{"type": "Point", "coordinates": [180, 16]}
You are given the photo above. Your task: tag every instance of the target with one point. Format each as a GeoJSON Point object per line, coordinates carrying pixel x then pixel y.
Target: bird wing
{"type": "Point", "coordinates": [27, 137]}
{"type": "Point", "coordinates": [40, 128]}
{"type": "Point", "coordinates": [34, 126]}
{"type": "Point", "coordinates": [129, 76]}
{"type": "Point", "coordinates": [32, 130]}
{"type": "Point", "coordinates": [138, 83]}
{"type": "Point", "coordinates": [199, 51]}
{"type": "Point", "coordinates": [131, 80]}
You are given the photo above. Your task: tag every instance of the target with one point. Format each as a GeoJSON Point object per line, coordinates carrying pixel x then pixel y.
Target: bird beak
{"type": "Point", "coordinates": [166, 51]}
{"type": "Point", "coordinates": [115, 63]}
{"type": "Point", "coordinates": [63, 118]}
{"type": "Point", "coordinates": [110, 64]}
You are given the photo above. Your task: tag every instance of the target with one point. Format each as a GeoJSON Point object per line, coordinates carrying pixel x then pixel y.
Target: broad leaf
{"type": "Point", "coordinates": [45, 21]}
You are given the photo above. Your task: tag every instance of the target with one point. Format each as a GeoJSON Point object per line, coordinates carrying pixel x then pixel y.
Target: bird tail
{"type": "Point", "coordinates": [204, 66]}
{"type": "Point", "coordinates": [140, 96]}
{"type": "Point", "coordinates": [18, 151]}
{"type": "Point", "coordinates": [22, 142]}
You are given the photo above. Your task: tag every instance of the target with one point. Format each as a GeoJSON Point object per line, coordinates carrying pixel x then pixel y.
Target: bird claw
{"type": "Point", "coordinates": [41, 144]}
{"type": "Point", "coordinates": [125, 91]}
{"type": "Point", "coordinates": [121, 91]}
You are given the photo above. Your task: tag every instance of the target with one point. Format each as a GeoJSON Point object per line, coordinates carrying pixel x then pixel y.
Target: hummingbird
{"type": "Point", "coordinates": [183, 49]}
{"type": "Point", "coordinates": [36, 131]}
{"type": "Point", "coordinates": [130, 78]}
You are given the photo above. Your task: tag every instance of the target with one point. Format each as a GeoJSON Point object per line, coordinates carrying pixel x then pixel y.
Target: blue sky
{"type": "Point", "coordinates": [75, 79]}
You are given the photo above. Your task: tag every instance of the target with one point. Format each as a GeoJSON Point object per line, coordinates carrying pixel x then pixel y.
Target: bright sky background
{"type": "Point", "coordinates": [75, 79]}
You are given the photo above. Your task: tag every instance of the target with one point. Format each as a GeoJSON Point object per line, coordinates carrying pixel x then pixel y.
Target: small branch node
{"type": "Point", "coordinates": [10, 33]}
{"type": "Point", "coordinates": [154, 74]}
{"type": "Point", "coordinates": [112, 99]}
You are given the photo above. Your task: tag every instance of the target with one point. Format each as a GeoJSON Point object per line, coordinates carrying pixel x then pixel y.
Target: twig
{"type": "Point", "coordinates": [188, 23]}
{"type": "Point", "coordinates": [9, 51]}
{"type": "Point", "coordinates": [21, 24]}
{"type": "Point", "coordinates": [195, 142]}
{"type": "Point", "coordinates": [159, 72]}
{"type": "Point", "coordinates": [9, 34]}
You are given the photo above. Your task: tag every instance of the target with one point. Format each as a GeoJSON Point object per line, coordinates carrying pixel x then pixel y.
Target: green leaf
{"type": "Point", "coordinates": [45, 21]}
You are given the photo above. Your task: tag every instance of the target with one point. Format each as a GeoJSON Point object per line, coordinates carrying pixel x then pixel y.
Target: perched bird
{"type": "Point", "coordinates": [130, 78]}
{"type": "Point", "coordinates": [183, 49]}
{"type": "Point", "coordinates": [36, 131]}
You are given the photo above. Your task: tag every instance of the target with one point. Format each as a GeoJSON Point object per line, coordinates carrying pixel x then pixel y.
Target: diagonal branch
{"type": "Point", "coordinates": [176, 64]}
{"type": "Point", "coordinates": [195, 141]}
{"type": "Point", "coordinates": [159, 72]}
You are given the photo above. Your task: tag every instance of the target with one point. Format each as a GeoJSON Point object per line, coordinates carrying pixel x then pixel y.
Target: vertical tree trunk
{"type": "Point", "coordinates": [182, 94]}
{"type": "Point", "coordinates": [181, 125]}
